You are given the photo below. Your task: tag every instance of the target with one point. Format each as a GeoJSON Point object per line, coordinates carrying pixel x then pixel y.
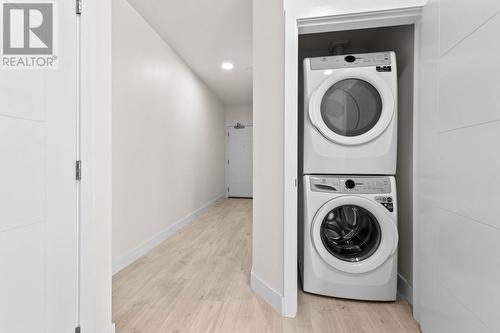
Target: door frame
{"type": "Point", "coordinates": [95, 186]}
{"type": "Point", "coordinates": [296, 23]}
{"type": "Point", "coordinates": [226, 154]}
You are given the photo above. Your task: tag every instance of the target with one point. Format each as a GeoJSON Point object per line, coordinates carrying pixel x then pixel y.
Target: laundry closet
{"type": "Point", "coordinates": [391, 51]}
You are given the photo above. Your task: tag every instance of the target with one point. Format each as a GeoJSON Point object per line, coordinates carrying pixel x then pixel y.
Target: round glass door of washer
{"type": "Point", "coordinates": [350, 233]}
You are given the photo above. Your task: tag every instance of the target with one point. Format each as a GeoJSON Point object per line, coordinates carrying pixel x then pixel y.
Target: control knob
{"type": "Point", "coordinates": [350, 184]}
{"type": "Point", "coordinates": [350, 58]}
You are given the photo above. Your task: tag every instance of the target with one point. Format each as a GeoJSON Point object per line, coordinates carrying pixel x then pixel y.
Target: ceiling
{"type": "Point", "coordinates": [204, 34]}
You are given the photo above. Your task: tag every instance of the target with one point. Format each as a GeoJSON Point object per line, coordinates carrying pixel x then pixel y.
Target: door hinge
{"type": "Point", "coordinates": [77, 329]}
{"type": "Point", "coordinates": [78, 170]}
{"type": "Point", "coordinates": [227, 162]}
{"type": "Point", "coordinates": [228, 134]}
{"type": "Point", "coordinates": [79, 6]}
{"type": "Point", "coordinates": [228, 189]}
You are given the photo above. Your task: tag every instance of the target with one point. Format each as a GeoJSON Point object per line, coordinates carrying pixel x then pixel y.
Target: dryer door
{"type": "Point", "coordinates": [352, 107]}
{"type": "Point", "coordinates": [354, 234]}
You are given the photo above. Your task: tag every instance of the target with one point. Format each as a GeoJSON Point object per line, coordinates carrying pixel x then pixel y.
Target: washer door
{"type": "Point", "coordinates": [354, 234]}
{"type": "Point", "coordinates": [352, 107]}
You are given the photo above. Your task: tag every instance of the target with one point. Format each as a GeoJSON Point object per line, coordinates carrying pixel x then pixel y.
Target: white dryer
{"type": "Point", "coordinates": [350, 114]}
{"type": "Point", "coordinates": [348, 238]}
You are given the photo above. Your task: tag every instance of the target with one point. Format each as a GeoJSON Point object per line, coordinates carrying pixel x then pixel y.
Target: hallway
{"type": "Point", "coordinates": [197, 281]}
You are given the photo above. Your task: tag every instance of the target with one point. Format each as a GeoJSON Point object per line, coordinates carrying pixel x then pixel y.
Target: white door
{"type": "Point", "coordinates": [240, 162]}
{"type": "Point", "coordinates": [38, 190]}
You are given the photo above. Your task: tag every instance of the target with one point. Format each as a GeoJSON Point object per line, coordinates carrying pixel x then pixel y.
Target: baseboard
{"type": "Point", "coordinates": [405, 290]}
{"type": "Point", "coordinates": [111, 329]}
{"type": "Point", "coordinates": [268, 294]}
{"type": "Point", "coordinates": [154, 241]}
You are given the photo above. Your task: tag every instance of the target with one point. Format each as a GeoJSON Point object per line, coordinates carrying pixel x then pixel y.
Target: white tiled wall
{"type": "Point", "coordinates": [467, 95]}
{"type": "Point", "coordinates": [458, 226]}
{"type": "Point", "coordinates": [459, 18]}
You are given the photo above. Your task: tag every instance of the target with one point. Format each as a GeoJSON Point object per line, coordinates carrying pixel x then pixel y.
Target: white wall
{"type": "Point", "coordinates": [168, 136]}
{"type": "Point", "coordinates": [457, 241]}
{"type": "Point", "coordinates": [242, 114]}
{"type": "Point", "coordinates": [268, 75]}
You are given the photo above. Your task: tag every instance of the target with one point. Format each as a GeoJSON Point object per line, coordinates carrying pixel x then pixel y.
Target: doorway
{"type": "Point", "coordinates": [399, 39]}
{"type": "Point", "coordinates": [298, 25]}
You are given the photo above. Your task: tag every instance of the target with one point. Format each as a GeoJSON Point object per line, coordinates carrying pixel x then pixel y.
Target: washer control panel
{"type": "Point", "coordinates": [382, 60]}
{"type": "Point", "coordinates": [354, 185]}
{"type": "Point", "coordinates": [365, 185]}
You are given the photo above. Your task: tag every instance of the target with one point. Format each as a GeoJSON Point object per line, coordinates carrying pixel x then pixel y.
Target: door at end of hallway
{"type": "Point", "coordinates": [239, 161]}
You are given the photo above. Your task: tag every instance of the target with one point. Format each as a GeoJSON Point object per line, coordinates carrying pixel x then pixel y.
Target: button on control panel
{"type": "Point", "coordinates": [386, 202]}
{"type": "Point", "coordinates": [350, 58]}
{"type": "Point", "coordinates": [384, 68]}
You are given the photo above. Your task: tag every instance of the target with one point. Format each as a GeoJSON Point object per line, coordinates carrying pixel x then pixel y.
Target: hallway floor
{"type": "Point", "coordinates": [198, 281]}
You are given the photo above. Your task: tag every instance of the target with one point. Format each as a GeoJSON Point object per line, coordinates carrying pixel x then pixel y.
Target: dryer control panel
{"type": "Point", "coordinates": [381, 60]}
{"type": "Point", "coordinates": [354, 185]}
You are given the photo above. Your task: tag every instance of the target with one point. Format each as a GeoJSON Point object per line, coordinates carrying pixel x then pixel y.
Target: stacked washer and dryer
{"type": "Point", "coordinates": [348, 233]}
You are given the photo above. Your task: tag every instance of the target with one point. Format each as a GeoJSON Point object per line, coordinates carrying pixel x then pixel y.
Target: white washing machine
{"type": "Point", "coordinates": [350, 114]}
{"type": "Point", "coordinates": [348, 237]}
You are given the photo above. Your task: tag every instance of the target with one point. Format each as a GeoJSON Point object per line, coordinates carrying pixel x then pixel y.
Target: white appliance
{"type": "Point", "coordinates": [348, 237]}
{"type": "Point", "coordinates": [350, 114]}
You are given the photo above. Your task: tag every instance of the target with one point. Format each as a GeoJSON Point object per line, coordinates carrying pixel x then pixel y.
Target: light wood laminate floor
{"type": "Point", "coordinates": [198, 281]}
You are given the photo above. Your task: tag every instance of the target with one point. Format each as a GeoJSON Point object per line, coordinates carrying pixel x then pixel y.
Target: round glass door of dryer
{"type": "Point", "coordinates": [350, 233]}
{"type": "Point", "coordinates": [351, 107]}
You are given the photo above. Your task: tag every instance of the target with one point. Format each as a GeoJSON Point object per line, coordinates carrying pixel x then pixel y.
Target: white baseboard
{"type": "Point", "coordinates": [154, 241]}
{"type": "Point", "coordinates": [268, 294]}
{"type": "Point", "coordinates": [405, 290]}
{"type": "Point", "coordinates": [111, 329]}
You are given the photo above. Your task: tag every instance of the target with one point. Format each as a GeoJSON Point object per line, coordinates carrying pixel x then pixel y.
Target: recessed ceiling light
{"type": "Point", "coordinates": [227, 66]}
{"type": "Point", "coordinates": [328, 72]}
